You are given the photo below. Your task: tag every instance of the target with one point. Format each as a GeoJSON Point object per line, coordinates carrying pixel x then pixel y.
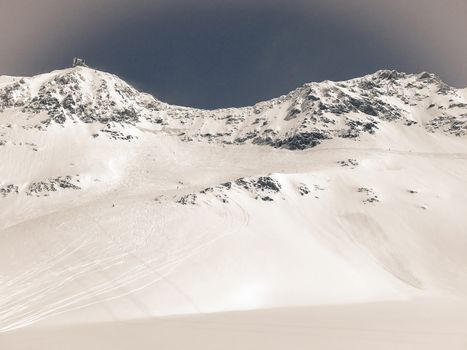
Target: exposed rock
{"type": "Point", "coordinates": [187, 199]}
{"type": "Point", "coordinates": [42, 188]}
{"type": "Point", "coordinates": [9, 189]}
{"type": "Point", "coordinates": [303, 189]}
{"type": "Point", "coordinates": [348, 162]}
{"type": "Point", "coordinates": [371, 196]}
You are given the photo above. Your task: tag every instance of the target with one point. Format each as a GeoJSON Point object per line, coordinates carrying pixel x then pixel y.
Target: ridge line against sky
{"type": "Point", "coordinates": [212, 53]}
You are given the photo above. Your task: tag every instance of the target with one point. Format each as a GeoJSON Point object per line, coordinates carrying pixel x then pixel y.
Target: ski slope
{"type": "Point", "coordinates": [115, 206]}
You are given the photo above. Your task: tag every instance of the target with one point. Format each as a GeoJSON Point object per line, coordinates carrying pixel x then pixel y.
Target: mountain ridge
{"type": "Point", "coordinates": [308, 112]}
{"type": "Point", "coordinates": [382, 73]}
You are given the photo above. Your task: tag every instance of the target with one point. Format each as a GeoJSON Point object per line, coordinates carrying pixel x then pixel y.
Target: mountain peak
{"type": "Point", "coordinates": [78, 92]}
{"type": "Point", "coordinates": [387, 74]}
{"type": "Point", "coordinates": [393, 75]}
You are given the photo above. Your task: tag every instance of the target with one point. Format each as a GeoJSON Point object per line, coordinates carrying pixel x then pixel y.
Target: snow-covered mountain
{"type": "Point", "coordinates": [302, 119]}
{"type": "Point", "coordinates": [114, 205]}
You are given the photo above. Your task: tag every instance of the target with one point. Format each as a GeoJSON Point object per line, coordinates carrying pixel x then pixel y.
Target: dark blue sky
{"type": "Point", "coordinates": [212, 54]}
{"type": "Point", "coordinates": [231, 57]}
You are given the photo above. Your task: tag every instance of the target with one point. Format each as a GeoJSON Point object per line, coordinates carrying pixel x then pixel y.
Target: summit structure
{"type": "Point", "coordinates": [79, 62]}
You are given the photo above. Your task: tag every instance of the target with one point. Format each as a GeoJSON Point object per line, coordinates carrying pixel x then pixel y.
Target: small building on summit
{"type": "Point", "coordinates": [79, 62]}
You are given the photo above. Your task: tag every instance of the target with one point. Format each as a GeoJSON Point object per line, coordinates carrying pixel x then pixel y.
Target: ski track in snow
{"type": "Point", "coordinates": [17, 310]}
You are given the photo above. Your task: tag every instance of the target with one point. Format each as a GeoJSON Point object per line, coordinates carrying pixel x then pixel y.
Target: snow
{"type": "Point", "coordinates": [359, 217]}
{"type": "Point", "coordinates": [428, 325]}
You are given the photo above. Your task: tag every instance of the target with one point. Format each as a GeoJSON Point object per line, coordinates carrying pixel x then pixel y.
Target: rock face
{"type": "Point", "coordinates": [43, 188]}
{"type": "Point", "coordinates": [262, 187]}
{"type": "Point", "coordinates": [8, 189]}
